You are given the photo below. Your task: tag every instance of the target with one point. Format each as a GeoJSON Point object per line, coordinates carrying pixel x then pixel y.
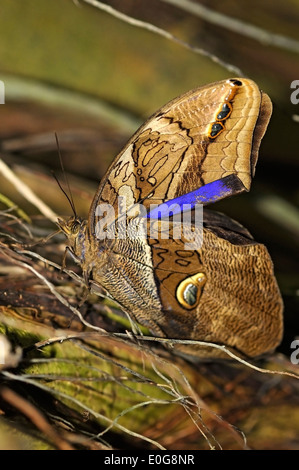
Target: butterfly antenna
{"type": "Point", "coordinates": [68, 196]}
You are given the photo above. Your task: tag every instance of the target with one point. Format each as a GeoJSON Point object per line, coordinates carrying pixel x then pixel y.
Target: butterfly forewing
{"type": "Point", "coordinates": [176, 152]}
{"type": "Point", "coordinates": [203, 145]}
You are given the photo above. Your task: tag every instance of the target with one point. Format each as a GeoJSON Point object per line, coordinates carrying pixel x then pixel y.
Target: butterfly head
{"type": "Point", "coordinates": [75, 229]}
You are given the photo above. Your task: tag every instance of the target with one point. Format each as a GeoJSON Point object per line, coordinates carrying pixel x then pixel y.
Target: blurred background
{"type": "Point", "coordinates": [94, 78]}
{"type": "Point", "coordinates": [94, 71]}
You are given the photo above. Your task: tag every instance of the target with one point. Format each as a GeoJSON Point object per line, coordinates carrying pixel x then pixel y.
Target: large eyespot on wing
{"type": "Point", "coordinates": [225, 292]}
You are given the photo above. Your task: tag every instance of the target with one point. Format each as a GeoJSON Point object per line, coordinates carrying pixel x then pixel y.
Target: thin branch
{"type": "Point", "coordinates": [161, 32]}
{"type": "Point", "coordinates": [60, 394]}
{"type": "Point", "coordinates": [61, 299]}
{"type": "Point", "coordinates": [52, 289]}
{"type": "Point", "coordinates": [237, 26]}
{"type": "Point", "coordinates": [35, 416]}
{"type": "Point", "coordinates": [26, 192]}
{"type": "Point", "coordinates": [222, 348]}
{"type": "Point", "coordinates": [12, 206]}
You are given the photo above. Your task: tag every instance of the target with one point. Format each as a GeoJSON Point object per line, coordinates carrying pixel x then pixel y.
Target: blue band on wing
{"type": "Point", "coordinates": [209, 193]}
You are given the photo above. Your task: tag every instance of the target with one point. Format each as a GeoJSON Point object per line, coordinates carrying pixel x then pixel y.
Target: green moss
{"type": "Point", "coordinates": [106, 378]}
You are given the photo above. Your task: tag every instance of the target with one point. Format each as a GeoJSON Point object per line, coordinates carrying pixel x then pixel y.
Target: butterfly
{"type": "Point", "coordinates": [197, 149]}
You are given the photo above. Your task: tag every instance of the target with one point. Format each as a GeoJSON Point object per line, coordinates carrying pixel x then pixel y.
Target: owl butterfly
{"type": "Point", "coordinates": [199, 148]}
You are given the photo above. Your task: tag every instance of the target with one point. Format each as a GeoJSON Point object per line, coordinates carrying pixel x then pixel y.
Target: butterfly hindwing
{"type": "Point", "coordinates": [233, 294]}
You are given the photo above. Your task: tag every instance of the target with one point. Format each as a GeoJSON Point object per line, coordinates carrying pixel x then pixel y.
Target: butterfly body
{"type": "Point", "coordinates": [200, 147]}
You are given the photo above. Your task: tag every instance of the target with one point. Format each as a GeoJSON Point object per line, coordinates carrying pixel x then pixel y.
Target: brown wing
{"type": "Point", "coordinates": [225, 291]}
{"type": "Point", "coordinates": [235, 301]}
{"type": "Point", "coordinates": [204, 135]}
